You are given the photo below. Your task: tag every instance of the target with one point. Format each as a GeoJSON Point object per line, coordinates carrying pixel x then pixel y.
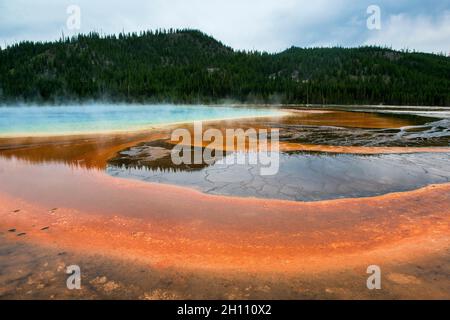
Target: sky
{"type": "Point", "coordinates": [265, 25]}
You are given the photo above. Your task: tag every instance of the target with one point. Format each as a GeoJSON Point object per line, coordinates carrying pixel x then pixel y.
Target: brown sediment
{"type": "Point", "coordinates": [172, 226]}
{"type": "Point", "coordinates": [137, 240]}
{"type": "Point", "coordinates": [93, 150]}
{"type": "Point", "coordinates": [345, 119]}
{"type": "Point", "coordinates": [39, 272]}
{"type": "Point", "coordinates": [331, 118]}
{"type": "Point", "coordinates": [165, 225]}
{"type": "Point", "coordinates": [292, 146]}
{"type": "Point", "coordinates": [86, 151]}
{"type": "Point", "coordinates": [287, 146]}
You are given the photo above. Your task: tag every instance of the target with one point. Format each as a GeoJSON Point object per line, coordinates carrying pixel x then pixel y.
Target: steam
{"type": "Point", "coordinates": [44, 120]}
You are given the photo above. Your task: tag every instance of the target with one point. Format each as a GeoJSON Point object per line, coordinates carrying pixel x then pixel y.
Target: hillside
{"type": "Point", "coordinates": [188, 66]}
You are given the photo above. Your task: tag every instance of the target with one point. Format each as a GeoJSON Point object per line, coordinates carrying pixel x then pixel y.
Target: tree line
{"type": "Point", "coordinates": [187, 66]}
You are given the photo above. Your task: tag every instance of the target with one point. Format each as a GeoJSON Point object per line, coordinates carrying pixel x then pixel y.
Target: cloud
{"type": "Point", "coordinates": [251, 24]}
{"type": "Point", "coordinates": [422, 33]}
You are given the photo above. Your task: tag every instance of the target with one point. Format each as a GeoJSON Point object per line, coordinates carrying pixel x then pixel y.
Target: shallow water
{"type": "Point", "coordinates": [302, 176]}
{"type": "Point", "coordinates": [59, 183]}
{"type": "Point", "coordinates": [59, 120]}
{"type": "Point", "coordinates": [306, 177]}
{"type": "Point", "coordinates": [430, 133]}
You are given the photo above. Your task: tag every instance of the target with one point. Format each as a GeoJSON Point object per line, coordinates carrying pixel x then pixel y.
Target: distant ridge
{"type": "Point", "coordinates": [188, 66]}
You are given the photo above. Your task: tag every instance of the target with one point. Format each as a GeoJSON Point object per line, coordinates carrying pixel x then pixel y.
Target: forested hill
{"type": "Point", "coordinates": [188, 66]}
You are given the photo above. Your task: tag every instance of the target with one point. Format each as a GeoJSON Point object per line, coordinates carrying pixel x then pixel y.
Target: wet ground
{"type": "Point", "coordinates": [432, 133]}
{"type": "Point", "coordinates": [153, 240]}
{"type": "Point", "coordinates": [33, 272]}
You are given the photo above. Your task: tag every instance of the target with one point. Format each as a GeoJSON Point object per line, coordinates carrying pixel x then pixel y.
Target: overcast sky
{"type": "Point", "coordinates": [270, 25]}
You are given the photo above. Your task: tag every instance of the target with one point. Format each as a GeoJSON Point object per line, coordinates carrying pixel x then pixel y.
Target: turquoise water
{"type": "Point", "coordinates": [54, 120]}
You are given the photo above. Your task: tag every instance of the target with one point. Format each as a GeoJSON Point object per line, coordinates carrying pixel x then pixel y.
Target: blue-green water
{"type": "Point", "coordinates": [98, 118]}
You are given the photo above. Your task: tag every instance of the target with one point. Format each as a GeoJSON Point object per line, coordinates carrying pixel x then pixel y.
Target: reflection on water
{"type": "Point", "coordinates": [89, 152]}
{"type": "Point", "coordinates": [307, 177]}
{"type": "Point", "coordinates": [146, 156]}
{"type": "Point", "coordinates": [156, 155]}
